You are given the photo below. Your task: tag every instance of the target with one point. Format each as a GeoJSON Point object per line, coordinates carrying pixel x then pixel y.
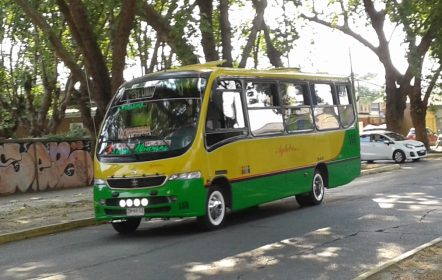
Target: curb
{"type": "Point", "coordinates": [399, 258]}
{"type": "Point", "coordinates": [46, 230]}
{"type": "Point", "coordinates": [380, 169]}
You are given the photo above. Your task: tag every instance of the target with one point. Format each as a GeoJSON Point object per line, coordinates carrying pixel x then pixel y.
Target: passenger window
{"type": "Point", "coordinates": [294, 94]}
{"type": "Point", "coordinates": [346, 111]}
{"type": "Point", "coordinates": [325, 110]}
{"type": "Point", "coordinates": [323, 94]}
{"type": "Point", "coordinates": [365, 139]}
{"type": "Point", "coordinates": [265, 114]}
{"type": "Point", "coordinates": [225, 115]}
{"type": "Point", "coordinates": [298, 119]}
{"type": "Point", "coordinates": [377, 138]}
{"type": "Point", "coordinates": [261, 95]}
{"type": "Point", "coordinates": [298, 114]}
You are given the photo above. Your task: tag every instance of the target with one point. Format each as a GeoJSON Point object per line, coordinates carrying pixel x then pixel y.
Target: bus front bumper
{"type": "Point", "coordinates": [174, 199]}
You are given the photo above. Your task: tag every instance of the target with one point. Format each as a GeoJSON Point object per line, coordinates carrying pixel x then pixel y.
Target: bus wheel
{"type": "Point", "coordinates": [128, 226]}
{"type": "Point", "coordinates": [215, 209]}
{"type": "Point", "coordinates": [316, 195]}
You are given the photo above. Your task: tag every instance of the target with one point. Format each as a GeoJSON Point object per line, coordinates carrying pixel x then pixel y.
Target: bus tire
{"type": "Point", "coordinates": [215, 209]}
{"type": "Point", "coordinates": [317, 193]}
{"type": "Point", "coordinates": [128, 226]}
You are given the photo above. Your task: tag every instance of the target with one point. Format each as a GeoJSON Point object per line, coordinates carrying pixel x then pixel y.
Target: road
{"type": "Point", "coordinates": [360, 225]}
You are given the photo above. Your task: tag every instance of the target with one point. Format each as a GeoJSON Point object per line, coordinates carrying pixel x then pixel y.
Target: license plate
{"type": "Point", "coordinates": [137, 211]}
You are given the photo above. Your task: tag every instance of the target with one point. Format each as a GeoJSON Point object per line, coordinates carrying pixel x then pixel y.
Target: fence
{"type": "Point", "coordinates": [38, 165]}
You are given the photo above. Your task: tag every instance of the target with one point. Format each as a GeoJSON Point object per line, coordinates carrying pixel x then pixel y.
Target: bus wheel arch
{"type": "Point", "coordinates": [217, 202]}
{"type": "Point", "coordinates": [318, 185]}
{"type": "Point", "coordinates": [226, 188]}
{"type": "Point", "coordinates": [324, 172]}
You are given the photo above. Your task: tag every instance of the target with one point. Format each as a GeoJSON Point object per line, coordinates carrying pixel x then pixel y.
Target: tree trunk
{"type": "Point", "coordinates": [226, 32]}
{"type": "Point", "coordinates": [120, 41]}
{"type": "Point", "coordinates": [100, 84]}
{"type": "Point", "coordinates": [260, 7]}
{"type": "Point", "coordinates": [206, 27]}
{"type": "Point", "coordinates": [395, 104]}
{"type": "Point", "coordinates": [273, 54]}
{"type": "Point", "coordinates": [418, 113]}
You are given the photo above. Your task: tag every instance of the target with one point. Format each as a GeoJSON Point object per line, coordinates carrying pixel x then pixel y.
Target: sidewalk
{"type": "Point", "coordinates": [30, 215]}
{"type": "Point", "coordinates": [35, 214]}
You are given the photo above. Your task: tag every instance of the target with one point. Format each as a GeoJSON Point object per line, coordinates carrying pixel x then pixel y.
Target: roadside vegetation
{"type": "Point", "coordinates": [62, 54]}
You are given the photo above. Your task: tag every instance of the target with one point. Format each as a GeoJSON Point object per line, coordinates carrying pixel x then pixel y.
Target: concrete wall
{"type": "Point", "coordinates": [36, 165]}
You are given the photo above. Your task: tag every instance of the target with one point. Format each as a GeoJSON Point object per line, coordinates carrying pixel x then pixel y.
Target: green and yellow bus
{"type": "Point", "coordinates": [202, 140]}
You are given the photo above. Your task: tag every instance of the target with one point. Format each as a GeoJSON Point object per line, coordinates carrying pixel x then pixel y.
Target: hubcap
{"type": "Point", "coordinates": [398, 156]}
{"type": "Point", "coordinates": [318, 187]}
{"type": "Point", "coordinates": [216, 208]}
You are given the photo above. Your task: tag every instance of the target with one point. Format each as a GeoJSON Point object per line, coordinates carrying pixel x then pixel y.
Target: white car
{"type": "Point", "coordinates": [384, 144]}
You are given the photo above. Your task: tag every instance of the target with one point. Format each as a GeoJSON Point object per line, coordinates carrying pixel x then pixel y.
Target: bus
{"type": "Point", "coordinates": [202, 140]}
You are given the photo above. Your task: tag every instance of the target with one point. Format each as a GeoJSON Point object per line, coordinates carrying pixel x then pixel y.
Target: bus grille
{"type": "Point", "coordinates": [136, 183]}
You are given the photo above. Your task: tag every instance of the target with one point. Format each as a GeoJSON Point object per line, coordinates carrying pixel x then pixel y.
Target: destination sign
{"type": "Point", "coordinates": [139, 93]}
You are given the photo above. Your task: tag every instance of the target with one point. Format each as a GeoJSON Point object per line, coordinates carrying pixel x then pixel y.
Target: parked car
{"type": "Point", "coordinates": [432, 137]}
{"type": "Point", "coordinates": [384, 145]}
{"type": "Point", "coordinates": [371, 127]}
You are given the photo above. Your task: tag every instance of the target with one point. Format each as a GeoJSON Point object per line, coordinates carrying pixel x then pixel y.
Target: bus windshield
{"type": "Point", "coordinates": [151, 120]}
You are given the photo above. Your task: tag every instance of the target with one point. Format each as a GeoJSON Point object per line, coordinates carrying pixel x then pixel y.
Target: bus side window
{"type": "Point", "coordinates": [225, 111]}
{"type": "Point", "coordinates": [225, 116]}
{"type": "Point", "coordinates": [296, 101]}
{"type": "Point", "coordinates": [346, 111]}
{"type": "Point", "coordinates": [325, 106]}
{"type": "Point", "coordinates": [265, 114]}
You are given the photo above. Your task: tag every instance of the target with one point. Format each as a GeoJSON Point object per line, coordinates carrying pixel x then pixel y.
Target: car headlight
{"type": "Point", "coordinates": [409, 146]}
{"type": "Point", "coordinates": [186, 176]}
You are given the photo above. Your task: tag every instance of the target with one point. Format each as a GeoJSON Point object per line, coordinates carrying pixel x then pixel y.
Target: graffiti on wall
{"type": "Point", "coordinates": [41, 166]}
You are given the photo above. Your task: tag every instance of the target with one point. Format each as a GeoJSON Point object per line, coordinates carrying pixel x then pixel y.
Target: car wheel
{"type": "Point", "coordinates": [317, 193]}
{"type": "Point", "coordinates": [128, 226]}
{"type": "Point", "coordinates": [399, 156]}
{"type": "Point", "coordinates": [215, 210]}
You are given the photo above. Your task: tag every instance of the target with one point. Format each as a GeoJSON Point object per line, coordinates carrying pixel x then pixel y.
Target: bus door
{"type": "Point", "coordinates": [225, 127]}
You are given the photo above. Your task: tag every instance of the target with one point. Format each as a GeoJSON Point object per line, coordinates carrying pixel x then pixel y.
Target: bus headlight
{"type": "Point", "coordinates": [137, 202]}
{"type": "Point", "coordinates": [185, 176]}
{"type": "Point", "coordinates": [99, 182]}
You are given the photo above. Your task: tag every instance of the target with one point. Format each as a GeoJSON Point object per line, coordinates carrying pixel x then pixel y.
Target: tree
{"type": "Point", "coordinates": [420, 22]}
{"type": "Point", "coordinates": [95, 75]}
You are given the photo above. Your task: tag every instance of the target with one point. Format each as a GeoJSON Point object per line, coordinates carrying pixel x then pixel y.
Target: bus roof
{"type": "Point", "coordinates": [213, 67]}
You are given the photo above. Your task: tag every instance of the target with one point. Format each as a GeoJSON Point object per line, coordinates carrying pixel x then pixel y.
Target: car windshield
{"type": "Point", "coordinates": [395, 137]}
{"type": "Point", "coordinates": [151, 120]}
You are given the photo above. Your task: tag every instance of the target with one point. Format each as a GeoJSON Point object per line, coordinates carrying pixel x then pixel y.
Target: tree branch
{"type": "Point", "coordinates": [346, 30]}
{"type": "Point", "coordinates": [432, 84]}
{"type": "Point", "coordinates": [61, 51]}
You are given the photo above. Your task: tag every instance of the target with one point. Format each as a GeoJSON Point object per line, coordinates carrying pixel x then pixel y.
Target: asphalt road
{"type": "Point", "coordinates": [360, 225]}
